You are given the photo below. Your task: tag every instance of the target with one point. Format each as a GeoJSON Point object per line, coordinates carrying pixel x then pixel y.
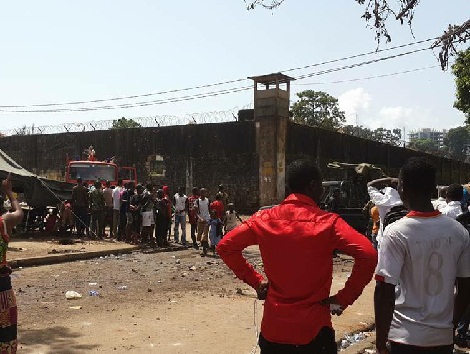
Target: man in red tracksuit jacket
{"type": "Point", "coordinates": [296, 241]}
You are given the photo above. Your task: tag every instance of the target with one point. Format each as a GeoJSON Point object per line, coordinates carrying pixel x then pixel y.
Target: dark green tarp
{"type": "Point", "coordinates": [38, 191]}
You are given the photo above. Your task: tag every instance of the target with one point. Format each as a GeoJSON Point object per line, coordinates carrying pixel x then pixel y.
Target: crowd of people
{"type": "Point", "coordinates": [140, 214]}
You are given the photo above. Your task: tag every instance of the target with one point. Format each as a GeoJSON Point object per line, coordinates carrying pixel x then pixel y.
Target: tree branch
{"type": "Point", "coordinates": [454, 35]}
{"type": "Point", "coordinates": [406, 10]}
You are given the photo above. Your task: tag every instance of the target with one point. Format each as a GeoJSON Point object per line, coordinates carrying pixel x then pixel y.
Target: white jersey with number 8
{"type": "Point", "coordinates": [422, 254]}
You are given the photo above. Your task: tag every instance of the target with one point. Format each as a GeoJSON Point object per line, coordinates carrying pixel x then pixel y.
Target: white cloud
{"type": "Point", "coordinates": [397, 116]}
{"type": "Point", "coordinates": [354, 102]}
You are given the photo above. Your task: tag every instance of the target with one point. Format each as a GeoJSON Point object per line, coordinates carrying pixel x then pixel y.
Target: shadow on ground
{"type": "Point", "coordinates": [58, 339]}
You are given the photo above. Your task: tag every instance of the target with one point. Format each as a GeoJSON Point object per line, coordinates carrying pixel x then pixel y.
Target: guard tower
{"type": "Point", "coordinates": [271, 113]}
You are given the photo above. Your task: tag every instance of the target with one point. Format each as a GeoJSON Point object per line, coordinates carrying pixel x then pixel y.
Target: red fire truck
{"type": "Point", "coordinates": [92, 171]}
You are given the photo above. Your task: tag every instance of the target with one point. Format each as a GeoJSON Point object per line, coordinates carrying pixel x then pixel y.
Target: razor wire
{"type": "Point", "coordinates": [230, 115]}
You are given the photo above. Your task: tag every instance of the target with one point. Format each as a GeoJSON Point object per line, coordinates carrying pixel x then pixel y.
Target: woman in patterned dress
{"type": "Point", "coordinates": [8, 309]}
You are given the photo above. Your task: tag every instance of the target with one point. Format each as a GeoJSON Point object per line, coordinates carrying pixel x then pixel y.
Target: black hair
{"type": "Point", "coordinates": [218, 196]}
{"type": "Point", "coordinates": [455, 192]}
{"type": "Point", "coordinates": [195, 190]}
{"type": "Point", "coordinates": [300, 173]}
{"type": "Point", "coordinates": [79, 180]}
{"type": "Point", "coordinates": [419, 176]}
{"type": "Point", "coordinates": [119, 182]}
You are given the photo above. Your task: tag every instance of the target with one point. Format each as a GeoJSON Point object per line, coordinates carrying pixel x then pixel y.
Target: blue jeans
{"type": "Point", "coordinates": [180, 220]}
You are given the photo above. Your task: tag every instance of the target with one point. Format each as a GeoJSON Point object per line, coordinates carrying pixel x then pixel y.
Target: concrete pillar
{"type": "Point", "coordinates": [271, 114]}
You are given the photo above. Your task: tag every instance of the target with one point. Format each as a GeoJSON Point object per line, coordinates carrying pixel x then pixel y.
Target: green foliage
{"type": "Point", "coordinates": [458, 140]}
{"type": "Point", "coordinates": [424, 145]}
{"type": "Point", "coordinates": [124, 123]}
{"type": "Point", "coordinates": [461, 70]}
{"type": "Point", "coordinates": [317, 109]}
{"type": "Point", "coordinates": [388, 136]}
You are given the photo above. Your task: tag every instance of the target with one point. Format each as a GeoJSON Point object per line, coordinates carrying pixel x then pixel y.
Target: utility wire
{"type": "Point", "coordinates": [368, 77]}
{"type": "Point", "coordinates": [204, 95]}
{"type": "Point", "coordinates": [363, 54]}
{"type": "Point", "coordinates": [360, 64]}
{"type": "Point", "coordinates": [218, 83]}
{"type": "Point", "coordinates": [131, 105]}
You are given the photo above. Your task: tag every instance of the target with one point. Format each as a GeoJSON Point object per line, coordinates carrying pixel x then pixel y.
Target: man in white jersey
{"type": "Point", "coordinates": [454, 196]}
{"type": "Point", "coordinates": [180, 202]}
{"type": "Point", "coordinates": [423, 254]}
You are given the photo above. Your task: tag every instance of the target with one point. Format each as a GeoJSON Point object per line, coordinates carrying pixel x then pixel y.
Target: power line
{"type": "Point", "coordinates": [206, 94]}
{"type": "Point", "coordinates": [368, 77]}
{"type": "Point", "coordinates": [215, 84]}
{"type": "Point", "coordinates": [360, 64]}
{"type": "Point", "coordinates": [138, 104]}
{"type": "Point", "coordinates": [363, 54]}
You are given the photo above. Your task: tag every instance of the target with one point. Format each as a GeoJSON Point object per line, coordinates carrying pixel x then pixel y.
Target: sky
{"type": "Point", "coordinates": [62, 51]}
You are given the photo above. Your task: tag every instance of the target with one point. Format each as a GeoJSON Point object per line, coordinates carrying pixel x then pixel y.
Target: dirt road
{"type": "Point", "coordinates": [172, 303]}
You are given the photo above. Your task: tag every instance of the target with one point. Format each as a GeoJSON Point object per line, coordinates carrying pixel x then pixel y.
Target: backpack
{"type": "Point", "coordinates": [394, 214]}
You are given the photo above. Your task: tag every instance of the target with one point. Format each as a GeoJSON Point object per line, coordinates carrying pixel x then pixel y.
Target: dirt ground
{"type": "Point", "coordinates": [174, 302]}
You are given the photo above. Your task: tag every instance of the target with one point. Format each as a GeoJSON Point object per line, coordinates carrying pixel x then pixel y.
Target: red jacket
{"type": "Point", "coordinates": [296, 240]}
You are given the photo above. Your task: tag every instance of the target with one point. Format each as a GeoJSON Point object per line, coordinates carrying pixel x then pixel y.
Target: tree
{"type": "Point", "coordinates": [377, 14]}
{"type": "Point", "coordinates": [22, 131]}
{"type": "Point", "coordinates": [317, 109]}
{"type": "Point", "coordinates": [382, 135]}
{"type": "Point", "coordinates": [124, 123]}
{"type": "Point", "coordinates": [458, 140]}
{"type": "Point", "coordinates": [359, 131]}
{"type": "Point", "coordinates": [461, 70]}
{"type": "Point", "coordinates": [424, 145]}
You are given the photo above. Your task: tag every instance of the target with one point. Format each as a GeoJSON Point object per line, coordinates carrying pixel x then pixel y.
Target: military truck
{"type": "Point", "coordinates": [352, 190]}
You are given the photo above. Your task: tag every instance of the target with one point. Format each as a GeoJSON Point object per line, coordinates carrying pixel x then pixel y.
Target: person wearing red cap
{"type": "Point", "coordinates": [296, 241]}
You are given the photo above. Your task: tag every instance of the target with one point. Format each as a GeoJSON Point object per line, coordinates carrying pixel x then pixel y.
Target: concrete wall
{"type": "Point", "coordinates": [206, 155]}
{"type": "Point", "coordinates": [327, 146]}
{"type": "Point", "coordinates": [202, 155]}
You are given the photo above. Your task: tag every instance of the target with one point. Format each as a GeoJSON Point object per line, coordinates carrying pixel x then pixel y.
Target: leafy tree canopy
{"type": "Point", "coordinates": [461, 70]}
{"type": "Point", "coordinates": [124, 123]}
{"type": "Point", "coordinates": [424, 145]}
{"type": "Point", "coordinates": [378, 13]}
{"type": "Point", "coordinates": [458, 140]}
{"type": "Point", "coordinates": [317, 109]}
{"type": "Point", "coordinates": [388, 136]}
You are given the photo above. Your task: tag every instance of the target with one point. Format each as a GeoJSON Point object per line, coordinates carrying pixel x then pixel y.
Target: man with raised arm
{"type": "Point", "coordinates": [422, 256]}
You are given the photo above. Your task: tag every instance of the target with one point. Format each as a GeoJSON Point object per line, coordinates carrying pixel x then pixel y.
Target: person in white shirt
{"type": "Point", "coordinates": [384, 200]}
{"type": "Point", "coordinates": [422, 256]}
{"type": "Point", "coordinates": [231, 218]}
{"type": "Point", "coordinates": [454, 195]}
{"type": "Point", "coordinates": [441, 201]}
{"type": "Point", "coordinates": [203, 217]}
{"type": "Point", "coordinates": [116, 207]}
{"type": "Point", "coordinates": [180, 201]}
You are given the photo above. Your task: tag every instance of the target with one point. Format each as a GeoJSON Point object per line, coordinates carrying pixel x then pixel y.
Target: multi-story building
{"type": "Point", "coordinates": [437, 136]}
